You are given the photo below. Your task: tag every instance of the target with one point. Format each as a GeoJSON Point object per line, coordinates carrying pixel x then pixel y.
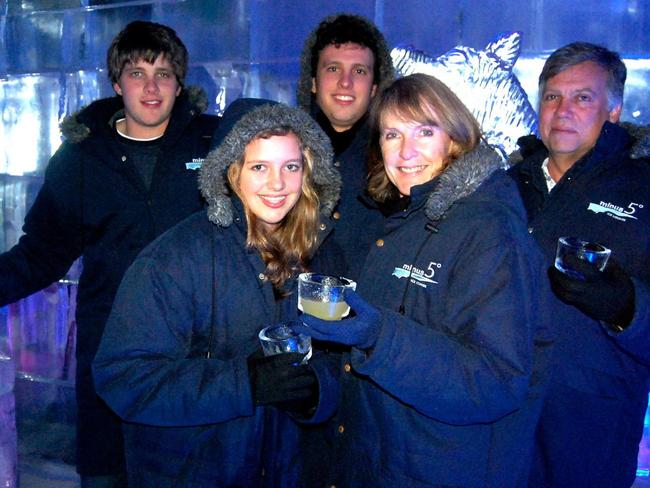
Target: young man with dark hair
{"type": "Point", "coordinates": [125, 173]}
{"type": "Point", "coordinates": [588, 177]}
{"type": "Point", "coordinates": [345, 61]}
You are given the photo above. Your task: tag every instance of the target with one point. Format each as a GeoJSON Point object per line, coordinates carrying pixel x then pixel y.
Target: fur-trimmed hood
{"type": "Point", "coordinates": [95, 117]}
{"type": "Point", "coordinates": [243, 120]}
{"type": "Point", "coordinates": [639, 134]}
{"type": "Point", "coordinates": [304, 95]}
{"type": "Point", "coordinates": [461, 179]}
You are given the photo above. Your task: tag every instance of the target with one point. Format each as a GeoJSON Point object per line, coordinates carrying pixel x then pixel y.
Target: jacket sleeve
{"type": "Point", "coordinates": [635, 339]}
{"type": "Point", "coordinates": [52, 234]}
{"type": "Point", "coordinates": [144, 369]}
{"type": "Point", "coordinates": [474, 365]}
{"type": "Point", "coordinates": [326, 366]}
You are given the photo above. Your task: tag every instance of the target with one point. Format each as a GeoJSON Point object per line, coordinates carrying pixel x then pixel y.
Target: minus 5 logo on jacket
{"type": "Point", "coordinates": [194, 164]}
{"type": "Point", "coordinates": [614, 211]}
{"type": "Point", "coordinates": [418, 276]}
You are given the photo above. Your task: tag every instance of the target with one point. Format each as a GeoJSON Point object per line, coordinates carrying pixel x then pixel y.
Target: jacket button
{"type": "Point", "coordinates": [341, 429]}
{"type": "Point", "coordinates": [322, 227]}
{"type": "Point", "coordinates": [123, 159]}
{"type": "Point", "coordinates": [347, 368]}
{"type": "Point", "coordinates": [262, 277]}
{"type": "Point", "coordinates": [336, 215]}
{"type": "Point", "coordinates": [530, 230]}
{"type": "Point", "coordinates": [337, 164]}
{"type": "Point", "coordinates": [379, 242]}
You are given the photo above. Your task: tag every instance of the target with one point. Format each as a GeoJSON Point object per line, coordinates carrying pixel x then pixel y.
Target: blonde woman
{"type": "Point", "coordinates": [443, 385]}
{"type": "Point", "coordinates": [175, 362]}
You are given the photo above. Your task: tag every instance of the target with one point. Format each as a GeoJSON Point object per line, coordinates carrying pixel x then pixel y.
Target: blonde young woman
{"type": "Point", "coordinates": [443, 384]}
{"type": "Point", "coordinates": [176, 360]}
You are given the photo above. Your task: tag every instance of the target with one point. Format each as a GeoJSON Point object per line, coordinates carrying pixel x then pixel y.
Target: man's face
{"type": "Point", "coordinates": [573, 109]}
{"type": "Point", "coordinates": [149, 92]}
{"type": "Point", "coordinates": [344, 83]}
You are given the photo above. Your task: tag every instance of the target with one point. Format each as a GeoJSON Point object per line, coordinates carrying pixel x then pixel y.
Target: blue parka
{"type": "Point", "coordinates": [359, 222]}
{"type": "Point", "coordinates": [592, 420]}
{"type": "Point", "coordinates": [93, 204]}
{"type": "Point", "coordinates": [190, 418]}
{"type": "Point", "coordinates": [451, 392]}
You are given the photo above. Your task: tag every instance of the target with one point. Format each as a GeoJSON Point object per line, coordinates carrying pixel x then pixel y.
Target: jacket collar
{"type": "Point", "coordinates": [95, 118]}
{"type": "Point", "coordinates": [461, 179]}
{"type": "Point", "coordinates": [612, 139]}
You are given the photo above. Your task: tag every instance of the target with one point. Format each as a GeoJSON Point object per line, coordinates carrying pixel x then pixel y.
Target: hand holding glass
{"type": "Point", "coordinates": [281, 338]}
{"type": "Point", "coordinates": [590, 252]}
{"type": "Point", "coordinates": [323, 296]}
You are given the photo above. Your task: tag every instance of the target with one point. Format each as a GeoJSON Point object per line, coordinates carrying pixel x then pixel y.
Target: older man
{"type": "Point", "coordinates": [589, 177]}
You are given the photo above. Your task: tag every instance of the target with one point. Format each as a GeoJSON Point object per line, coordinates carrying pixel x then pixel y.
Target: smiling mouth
{"type": "Point", "coordinates": [411, 169]}
{"type": "Point", "coordinates": [151, 103]}
{"type": "Point", "coordinates": [273, 201]}
{"type": "Point", "coordinates": [344, 98]}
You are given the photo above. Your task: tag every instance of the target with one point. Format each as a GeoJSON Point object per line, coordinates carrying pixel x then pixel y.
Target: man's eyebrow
{"type": "Point", "coordinates": [581, 89]}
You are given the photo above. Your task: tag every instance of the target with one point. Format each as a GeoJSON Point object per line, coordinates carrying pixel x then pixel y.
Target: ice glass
{"type": "Point", "coordinates": [591, 252]}
{"type": "Point", "coordinates": [281, 338]}
{"type": "Point", "coordinates": [323, 296]}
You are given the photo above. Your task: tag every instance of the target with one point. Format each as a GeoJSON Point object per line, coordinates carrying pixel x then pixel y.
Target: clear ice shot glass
{"type": "Point", "coordinates": [281, 338]}
{"type": "Point", "coordinates": [323, 296]}
{"type": "Point", "coordinates": [590, 252]}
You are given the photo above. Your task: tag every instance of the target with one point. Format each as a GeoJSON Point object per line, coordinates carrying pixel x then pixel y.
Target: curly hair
{"type": "Point", "coordinates": [342, 29]}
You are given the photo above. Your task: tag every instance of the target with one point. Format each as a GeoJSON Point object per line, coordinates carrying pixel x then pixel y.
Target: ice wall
{"type": "Point", "coordinates": [8, 457]}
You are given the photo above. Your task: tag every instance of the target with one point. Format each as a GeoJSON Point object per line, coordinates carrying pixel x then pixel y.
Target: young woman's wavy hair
{"type": "Point", "coordinates": [287, 249]}
{"type": "Point", "coordinates": [426, 100]}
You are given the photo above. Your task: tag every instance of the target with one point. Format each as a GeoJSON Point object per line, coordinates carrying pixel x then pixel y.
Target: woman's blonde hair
{"type": "Point", "coordinates": [287, 249]}
{"type": "Point", "coordinates": [426, 100]}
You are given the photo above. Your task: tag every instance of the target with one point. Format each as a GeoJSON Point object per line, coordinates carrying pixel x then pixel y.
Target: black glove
{"type": "Point", "coordinates": [282, 381]}
{"type": "Point", "coordinates": [607, 296]}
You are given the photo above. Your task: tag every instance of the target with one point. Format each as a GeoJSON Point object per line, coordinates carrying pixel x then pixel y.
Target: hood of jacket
{"type": "Point", "coordinates": [96, 117]}
{"type": "Point", "coordinates": [640, 135]}
{"type": "Point", "coordinates": [461, 179]}
{"type": "Point", "coordinates": [636, 137]}
{"type": "Point", "coordinates": [246, 118]}
{"type": "Point", "coordinates": [386, 71]}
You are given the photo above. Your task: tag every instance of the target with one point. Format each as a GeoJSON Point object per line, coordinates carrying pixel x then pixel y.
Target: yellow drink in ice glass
{"type": "Point", "coordinates": [323, 296]}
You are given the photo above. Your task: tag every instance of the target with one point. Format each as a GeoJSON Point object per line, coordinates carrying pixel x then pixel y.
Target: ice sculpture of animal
{"type": "Point", "coordinates": [484, 81]}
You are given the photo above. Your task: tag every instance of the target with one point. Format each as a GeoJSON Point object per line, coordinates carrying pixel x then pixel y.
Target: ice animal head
{"type": "Point", "coordinates": [485, 83]}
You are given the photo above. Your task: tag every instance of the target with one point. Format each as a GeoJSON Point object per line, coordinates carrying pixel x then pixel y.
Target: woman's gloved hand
{"type": "Point", "coordinates": [282, 381]}
{"type": "Point", "coordinates": [360, 331]}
